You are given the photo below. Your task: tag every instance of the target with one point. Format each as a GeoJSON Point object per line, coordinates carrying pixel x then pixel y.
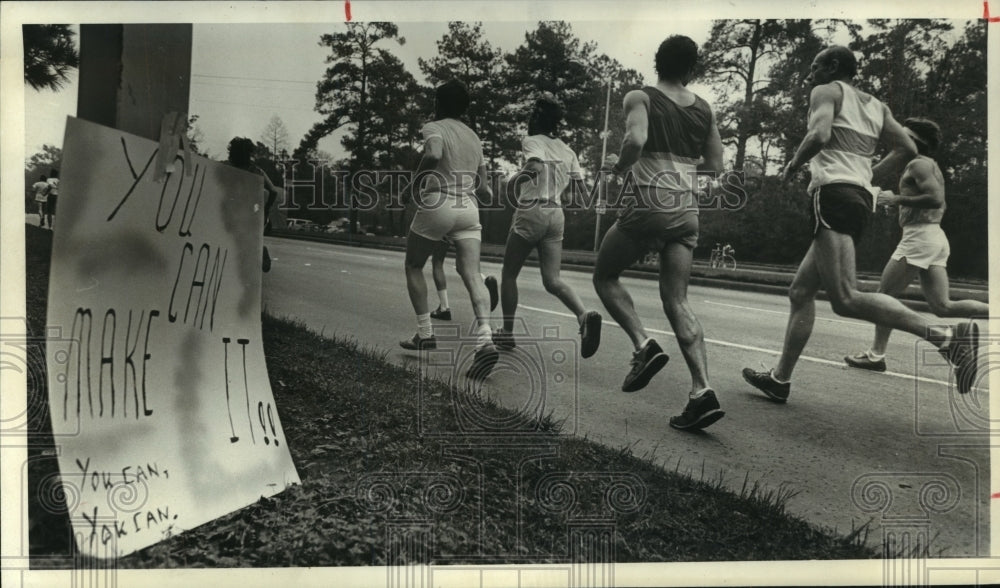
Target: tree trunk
{"type": "Point", "coordinates": [743, 133]}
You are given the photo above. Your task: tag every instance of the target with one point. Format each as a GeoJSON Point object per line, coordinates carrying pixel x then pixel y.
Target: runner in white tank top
{"type": "Point", "coordinates": [843, 126]}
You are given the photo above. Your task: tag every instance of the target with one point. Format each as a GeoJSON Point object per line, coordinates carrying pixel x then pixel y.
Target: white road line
{"type": "Point", "coordinates": [372, 257]}
{"type": "Point", "coordinates": [819, 360]}
{"type": "Point", "coordinates": [785, 313]}
{"type": "Point", "coordinates": [337, 253]}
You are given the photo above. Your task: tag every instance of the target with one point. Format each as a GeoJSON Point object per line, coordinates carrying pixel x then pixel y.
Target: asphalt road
{"type": "Point", "coordinates": [900, 449]}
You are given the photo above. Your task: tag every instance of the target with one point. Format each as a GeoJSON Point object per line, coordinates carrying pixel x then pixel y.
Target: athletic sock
{"type": "Point", "coordinates": [443, 299]}
{"type": "Point", "coordinates": [424, 325]}
{"type": "Point", "coordinates": [484, 334]}
{"type": "Point", "coordinates": [698, 393]}
{"type": "Point", "coordinates": [644, 342]}
{"type": "Point", "coordinates": [776, 379]}
{"type": "Point", "coordinates": [875, 356]}
{"type": "Point", "coordinates": [948, 335]}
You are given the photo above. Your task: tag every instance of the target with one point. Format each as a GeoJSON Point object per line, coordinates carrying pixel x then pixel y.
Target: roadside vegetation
{"type": "Point", "coordinates": [350, 419]}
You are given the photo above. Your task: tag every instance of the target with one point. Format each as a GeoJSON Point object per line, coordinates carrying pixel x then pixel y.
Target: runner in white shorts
{"type": "Point", "coordinates": [538, 223]}
{"type": "Point", "coordinates": [923, 249]}
{"type": "Point", "coordinates": [449, 178]}
{"type": "Point", "coordinates": [443, 311]}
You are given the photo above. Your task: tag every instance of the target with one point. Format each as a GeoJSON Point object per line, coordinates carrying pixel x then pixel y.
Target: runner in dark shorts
{"type": "Point", "coordinates": [844, 208]}
{"type": "Point", "coordinates": [845, 128]}
{"type": "Point", "coordinates": [671, 134]}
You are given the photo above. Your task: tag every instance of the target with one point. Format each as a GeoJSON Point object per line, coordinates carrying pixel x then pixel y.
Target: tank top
{"type": "Point", "coordinates": [909, 215]}
{"type": "Point", "coordinates": [675, 142]}
{"type": "Point", "coordinates": [846, 158]}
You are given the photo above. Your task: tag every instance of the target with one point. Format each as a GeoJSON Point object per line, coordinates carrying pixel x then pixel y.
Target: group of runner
{"type": "Point", "coordinates": [671, 135]}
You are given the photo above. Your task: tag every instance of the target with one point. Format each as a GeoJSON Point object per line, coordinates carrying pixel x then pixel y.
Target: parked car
{"type": "Point", "coordinates": [298, 224]}
{"type": "Point", "coordinates": [339, 225]}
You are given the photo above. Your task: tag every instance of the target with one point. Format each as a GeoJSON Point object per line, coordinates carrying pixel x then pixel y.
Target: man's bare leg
{"type": "Point", "coordinates": [934, 283]}
{"type": "Point", "coordinates": [835, 261]}
{"type": "Point", "coordinates": [514, 255]}
{"type": "Point", "coordinates": [801, 317]}
{"type": "Point", "coordinates": [617, 253]}
{"type": "Point", "coordinates": [675, 272]}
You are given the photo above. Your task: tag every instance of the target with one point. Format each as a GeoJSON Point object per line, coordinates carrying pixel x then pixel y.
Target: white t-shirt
{"type": "Point", "coordinates": [53, 186]}
{"type": "Point", "coordinates": [560, 165]}
{"type": "Point", "coordinates": [461, 156]}
{"type": "Point", "coordinates": [41, 191]}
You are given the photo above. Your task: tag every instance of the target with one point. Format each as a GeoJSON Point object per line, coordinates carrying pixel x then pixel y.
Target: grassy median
{"type": "Point", "coordinates": [368, 475]}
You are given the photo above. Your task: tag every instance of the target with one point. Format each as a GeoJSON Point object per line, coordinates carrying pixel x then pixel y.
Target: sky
{"type": "Point", "coordinates": [243, 74]}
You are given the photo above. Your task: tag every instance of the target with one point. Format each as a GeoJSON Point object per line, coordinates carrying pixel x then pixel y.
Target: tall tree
{"type": "Point", "coordinates": [464, 54]}
{"type": "Point", "coordinates": [343, 96]}
{"type": "Point", "coordinates": [897, 56]}
{"type": "Point", "coordinates": [552, 59]}
{"type": "Point", "coordinates": [366, 88]}
{"type": "Point", "coordinates": [786, 95]}
{"type": "Point", "coordinates": [956, 85]}
{"type": "Point", "coordinates": [738, 58]}
{"type": "Point", "coordinates": [396, 117]}
{"type": "Point", "coordinates": [957, 82]}
{"type": "Point", "coordinates": [275, 136]}
{"type": "Point", "coordinates": [49, 55]}
{"type": "Point", "coordinates": [541, 64]}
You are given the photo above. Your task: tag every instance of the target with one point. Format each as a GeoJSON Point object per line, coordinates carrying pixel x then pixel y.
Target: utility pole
{"type": "Point", "coordinates": [601, 206]}
{"type": "Point", "coordinates": [131, 75]}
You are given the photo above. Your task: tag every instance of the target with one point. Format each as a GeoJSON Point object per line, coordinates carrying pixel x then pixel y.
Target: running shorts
{"type": "Point", "coordinates": [923, 245]}
{"type": "Point", "coordinates": [843, 208]}
{"type": "Point", "coordinates": [443, 215]}
{"type": "Point", "coordinates": [539, 222]}
{"type": "Point", "coordinates": [652, 227]}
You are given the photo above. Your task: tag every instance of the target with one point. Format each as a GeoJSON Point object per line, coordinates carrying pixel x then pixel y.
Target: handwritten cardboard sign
{"type": "Point", "coordinates": [158, 387]}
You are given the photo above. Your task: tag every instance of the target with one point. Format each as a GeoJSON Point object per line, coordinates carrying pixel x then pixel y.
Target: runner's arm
{"type": "Point", "coordinates": [712, 155]}
{"type": "Point", "coordinates": [903, 149]}
{"type": "Point", "coordinates": [483, 191]}
{"type": "Point", "coordinates": [433, 149]}
{"type": "Point", "coordinates": [822, 109]}
{"type": "Point", "coordinates": [636, 129]}
{"type": "Point", "coordinates": [527, 173]}
{"type": "Point", "coordinates": [930, 192]}
{"type": "Point", "coordinates": [272, 191]}
{"type": "Point", "coordinates": [577, 185]}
